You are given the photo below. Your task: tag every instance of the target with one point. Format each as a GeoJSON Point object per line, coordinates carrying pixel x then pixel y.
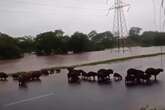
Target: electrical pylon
{"type": "Point", "coordinates": [119, 23]}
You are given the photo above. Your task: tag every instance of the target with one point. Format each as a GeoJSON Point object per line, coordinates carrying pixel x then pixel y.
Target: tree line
{"type": "Point", "coordinates": [57, 42]}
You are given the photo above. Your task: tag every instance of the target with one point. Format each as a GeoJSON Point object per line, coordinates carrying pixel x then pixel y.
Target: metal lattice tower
{"type": "Point", "coordinates": [119, 23]}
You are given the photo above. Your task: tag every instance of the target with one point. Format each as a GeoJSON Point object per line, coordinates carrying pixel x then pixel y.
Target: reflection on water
{"type": "Point", "coordinates": [32, 62]}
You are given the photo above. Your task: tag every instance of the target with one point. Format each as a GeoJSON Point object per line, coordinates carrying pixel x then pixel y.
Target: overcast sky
{"type": "Point", "coordinates": [31, 17]}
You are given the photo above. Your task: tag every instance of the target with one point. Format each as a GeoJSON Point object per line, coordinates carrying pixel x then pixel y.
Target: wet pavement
{"type": "Point", "coordinates": [53, 92]}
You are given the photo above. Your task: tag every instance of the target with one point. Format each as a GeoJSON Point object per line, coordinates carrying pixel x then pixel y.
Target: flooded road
{"type": "Point", "coordinates": [54, 93]}
{"type": "Point", "coordinates": [33, 62]}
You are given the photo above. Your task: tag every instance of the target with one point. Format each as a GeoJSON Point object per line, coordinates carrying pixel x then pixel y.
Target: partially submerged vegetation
{"type": "Point", "coordinates": [56, 42]}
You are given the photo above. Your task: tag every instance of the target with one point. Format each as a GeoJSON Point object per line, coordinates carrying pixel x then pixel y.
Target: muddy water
{"type": "Point", "coordinates": [54, 93]}
{"type": "Point", "coordinates": [32, 62]}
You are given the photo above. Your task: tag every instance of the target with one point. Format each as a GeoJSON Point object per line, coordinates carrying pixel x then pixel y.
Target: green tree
{"type": "Point", "coordinates": [8, 47]}
{"type": "Point", "coordinates": [134, 31]}
{"type": "Point", "coordinates": [148, 37]}
{"type": "Point", "coordinates": [64, 44]}
{"type": "Point", "coordinates": [134, 36]}
{"type": "Point", "coordinates": [103, 40]}
{"type": "Point", "coordinates": [92, 34]}
{"type": "Point", "coordinates": [79, 42]}
{"type": "Point", "coordinates": [47, 43]}
{"type": "Point", "coordinates": [159, 40]}
{"type": "Point", "coordinates": [26, 44]}
{"type": "Point", "coordinates": [59, 33]}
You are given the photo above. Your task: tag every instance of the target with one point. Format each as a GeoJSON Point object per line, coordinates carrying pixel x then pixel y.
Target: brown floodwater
{"type": "Point", "coordinates": [33, 62]}
{"type": "Point", "coordinates": [53, 92]}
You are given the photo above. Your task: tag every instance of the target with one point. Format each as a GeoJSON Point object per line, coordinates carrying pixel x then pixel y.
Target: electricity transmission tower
{"type": "Point", "coordinates": [119, 23]}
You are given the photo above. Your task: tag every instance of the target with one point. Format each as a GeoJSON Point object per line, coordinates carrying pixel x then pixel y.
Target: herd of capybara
{"type": "Point", "coordinates": [133, 77]}
{"type": "Point", "coordinates": [24, 77]}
